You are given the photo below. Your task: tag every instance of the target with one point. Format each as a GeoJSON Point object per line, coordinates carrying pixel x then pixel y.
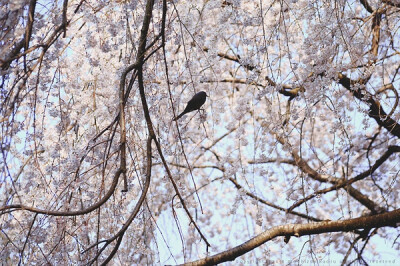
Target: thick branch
{"type": "Point", "coordinates": [28, 31]}
{"type": "Point", "coordinates": [380, 220]}
{"type": "Point", "coordinates": [375, 109]}
{"type": "Point", "coordinates": [367, 6]}
{"type": "Point", "coordinates": [376, 29]}
{"type": "Point", "coordinates": [389, 2]}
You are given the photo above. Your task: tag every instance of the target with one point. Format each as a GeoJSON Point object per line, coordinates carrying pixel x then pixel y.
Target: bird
{"type": "Point", "coordinates": [194, 104]}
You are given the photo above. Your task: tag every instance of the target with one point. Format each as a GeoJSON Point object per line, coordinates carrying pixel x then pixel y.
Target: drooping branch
{"type": "Point", "coordinates": [14, 207]}
{"type": "Point", "coordinates": [119, 235]}
{"type": "Point", "coordinates": [238, 186]}
{"type": "Point", "coordinates": [139, 61]}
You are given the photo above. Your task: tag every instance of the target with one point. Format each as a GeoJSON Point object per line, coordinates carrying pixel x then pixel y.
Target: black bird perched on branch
{"type": "Point", "coordinates": [194, 104]}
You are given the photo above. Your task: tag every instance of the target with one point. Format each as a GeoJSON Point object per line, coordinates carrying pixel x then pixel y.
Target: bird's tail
{"type": "Point", "coordinates": [179, 116]}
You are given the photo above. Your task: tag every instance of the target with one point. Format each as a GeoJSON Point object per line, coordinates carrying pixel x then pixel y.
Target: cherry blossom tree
{"type": "Point", "coordinates": [294, 159]}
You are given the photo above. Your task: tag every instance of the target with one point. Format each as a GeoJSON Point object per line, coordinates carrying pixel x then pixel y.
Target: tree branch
{"type": "Point", "coordinates": [298, 230]}
{"type": "Point", "coordinates": [14, 207]}
{"type": "Point", "coordinates": [375, 109]}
